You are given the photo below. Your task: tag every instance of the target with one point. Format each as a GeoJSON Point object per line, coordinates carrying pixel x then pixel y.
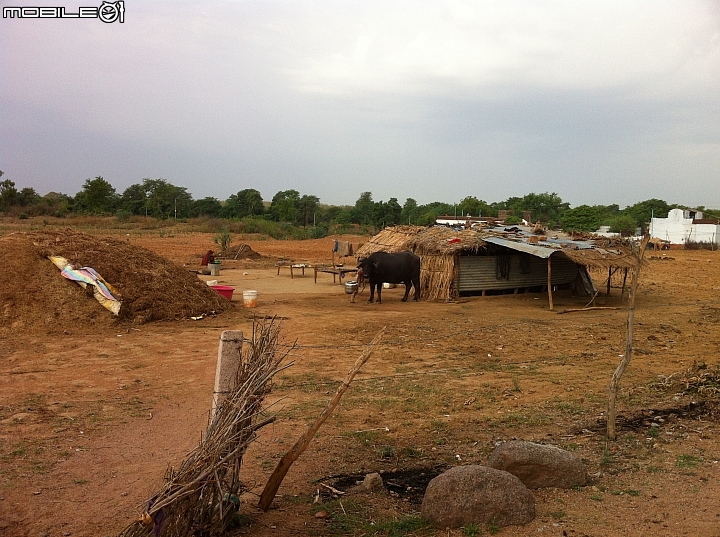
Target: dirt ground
{"type": "Point", "coordinates": [91, 419]}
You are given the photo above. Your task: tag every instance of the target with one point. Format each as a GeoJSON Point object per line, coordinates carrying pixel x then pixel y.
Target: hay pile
{"type": "Point", "coordinates": [34, 296]}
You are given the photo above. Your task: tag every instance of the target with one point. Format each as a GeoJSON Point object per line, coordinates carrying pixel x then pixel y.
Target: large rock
{"type": "Point", "coordinates": [538, 465]}
{"type": "Point", "coordinates": [477, 495]}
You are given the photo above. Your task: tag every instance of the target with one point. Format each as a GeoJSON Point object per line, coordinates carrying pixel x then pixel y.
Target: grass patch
{"type": "Point", "coordinates": [349, 517]}
{"type": "Point", "coordinates": [687, 461]}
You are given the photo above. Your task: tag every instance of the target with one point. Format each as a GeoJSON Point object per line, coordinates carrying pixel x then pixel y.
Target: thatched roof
{"type": "Point", "coordinates": [390, 239]}
{"type": "Point", "coordinates": [441, 240]}
{"type": "Point", "coordinates": [619, 256]}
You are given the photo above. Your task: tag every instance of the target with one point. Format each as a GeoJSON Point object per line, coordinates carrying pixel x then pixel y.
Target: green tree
{"type": "Point", "coordinates": [8, 193]}
{"type": "Point", "coordinates": [97, 197]}
{"type": "Point", "coordinates": [581, 218]}
{"type": "Point", "coordinates": [307, 207]}
{"type": "Point", "coordinates": [283, 206]}
{"type": "Point", "coordinates": [247, 202]}
{"type": "Point", "coordinates": [134, 200]}
{"type": "Point", "coordinates": [409, 212]}
{"type": "Point", "coordinates": [430, 212]}
{"type": "Point", "coordinates": [623, 223]}
{"type": "Point", "coordinates": [57, 204]}
{"type": "Point", "coordinates": [387, 214]}
{"type": "Point", "coordinates": [545, 207]}
{"type": "Point", "coordinates": [643, 211]}
{"type": "Point", "coordinates": [165, 200]}
{"type": "Point", "coordinates": [471, 206]}
{"type": "Point", "coordinates": [205, 207]}
{"type": "Point", "coordinates": [364, 211]}
{"type": "Point", "coordinates": [27, 196]}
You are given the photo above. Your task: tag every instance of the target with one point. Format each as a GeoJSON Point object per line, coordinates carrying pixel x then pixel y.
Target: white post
{"type": "Point", "coordinates": [228, 362]}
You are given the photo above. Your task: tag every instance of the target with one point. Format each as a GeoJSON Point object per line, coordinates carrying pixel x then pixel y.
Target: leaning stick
{"type": "Point", "coordinates": [291, 456]}
{"type": "Point", "coordinates": [615, 380]}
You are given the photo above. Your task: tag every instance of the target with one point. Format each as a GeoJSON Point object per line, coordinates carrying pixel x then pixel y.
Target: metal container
{"type": "Point", "coordinates": [351, 287]}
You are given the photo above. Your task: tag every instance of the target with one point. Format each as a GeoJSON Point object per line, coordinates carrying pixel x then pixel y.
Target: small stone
{"type": "Point", "coordinates": [322, 514]}
{"type": "Point", "coordinates": [372, 482]}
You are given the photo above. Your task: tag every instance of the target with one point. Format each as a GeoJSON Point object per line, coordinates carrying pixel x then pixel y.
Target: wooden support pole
{"type": "Point", "coordinates": [549, 285]}
{"type": "Point", "coordinates": [622, 295]}
{"type": "Point", "coordinates": [291, 456]}
{"type": "Point", "coordinates": [228, 362]}
{"type": "Point", "coordinates": [610, 273]}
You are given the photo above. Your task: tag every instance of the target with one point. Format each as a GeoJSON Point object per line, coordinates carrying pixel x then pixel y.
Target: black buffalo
{"type": "Point", "coordinates": [382, 267]}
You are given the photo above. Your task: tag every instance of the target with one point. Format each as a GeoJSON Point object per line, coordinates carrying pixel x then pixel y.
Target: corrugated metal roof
{"type": "Point", "coordinates": [538, 251]}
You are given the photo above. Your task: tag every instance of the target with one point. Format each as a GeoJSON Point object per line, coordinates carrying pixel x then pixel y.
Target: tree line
{"type": "Point", "coordinates": [158, 198]}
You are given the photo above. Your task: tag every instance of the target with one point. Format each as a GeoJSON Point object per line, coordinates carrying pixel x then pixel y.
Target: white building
{"type": "Point", "coordinates": [680, 227]}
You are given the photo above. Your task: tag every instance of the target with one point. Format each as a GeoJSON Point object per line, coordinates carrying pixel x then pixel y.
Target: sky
{"type": "Point", "coordinates": [601, 102]}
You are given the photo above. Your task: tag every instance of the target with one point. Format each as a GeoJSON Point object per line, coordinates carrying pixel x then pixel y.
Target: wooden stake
{"type": "Point", "coordinates": [228, 362]}
{"type": "Point", "coordinates": [615, 381]}
{"type": "Point", "coordinates": [291, 456]}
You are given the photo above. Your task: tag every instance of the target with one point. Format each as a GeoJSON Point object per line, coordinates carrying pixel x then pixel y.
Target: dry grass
{"type": "Point", "coordinates": [390, 239]}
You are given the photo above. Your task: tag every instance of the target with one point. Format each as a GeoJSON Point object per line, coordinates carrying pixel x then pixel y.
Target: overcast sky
{"type": "Point", "coordinates": [600, 101]}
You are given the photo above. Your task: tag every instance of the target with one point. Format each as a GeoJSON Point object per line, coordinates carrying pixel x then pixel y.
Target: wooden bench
{"type": "Point", "coordinates": [293, 267]}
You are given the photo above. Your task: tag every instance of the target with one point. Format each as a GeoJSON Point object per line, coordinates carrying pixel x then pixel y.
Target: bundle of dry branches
{"type": "Point", "coordinates": [202, 496]}
{"type": "Point", "coordinates": [698, 379]}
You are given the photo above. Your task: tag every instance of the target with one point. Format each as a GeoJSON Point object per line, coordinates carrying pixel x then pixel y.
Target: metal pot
{"type": "Point", "coordinates": [351, 287]}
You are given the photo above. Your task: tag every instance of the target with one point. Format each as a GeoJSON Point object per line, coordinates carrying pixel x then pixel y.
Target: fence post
{"type": "Point", "coordinates": [228, 362]}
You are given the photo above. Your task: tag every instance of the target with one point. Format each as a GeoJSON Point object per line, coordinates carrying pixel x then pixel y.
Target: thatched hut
{"type": "Point", "coordinates": [496, 260]}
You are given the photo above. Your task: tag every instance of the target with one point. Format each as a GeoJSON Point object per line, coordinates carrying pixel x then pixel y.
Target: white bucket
{"type": "Point", "coordinates": [214, 269]}
{"type": "Point", "coordinates": [249, 299]}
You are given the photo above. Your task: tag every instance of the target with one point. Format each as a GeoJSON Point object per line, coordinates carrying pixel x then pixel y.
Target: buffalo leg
{"type": "Point", "coordinates": [407, 291]}
{"type": "Point", "coordinates": [379, 290]}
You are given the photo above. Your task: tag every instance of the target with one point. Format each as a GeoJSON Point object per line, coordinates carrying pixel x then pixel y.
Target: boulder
{"type": "Point", "coordinates": [477, 495]}
{"type": "Point", "coordinates": [538, 465]}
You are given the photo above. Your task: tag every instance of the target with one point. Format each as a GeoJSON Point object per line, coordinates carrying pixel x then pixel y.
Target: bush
{"type": "Point", "coordinates": [23, 216]}
{"type": "Point", "coordinates": [223, 239]}
{"type": "Point", "coordinates": [123, 215]}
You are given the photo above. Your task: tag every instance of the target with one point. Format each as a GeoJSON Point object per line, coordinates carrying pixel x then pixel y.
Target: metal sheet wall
{"type": "Point", "coordinates": [477, 273]}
